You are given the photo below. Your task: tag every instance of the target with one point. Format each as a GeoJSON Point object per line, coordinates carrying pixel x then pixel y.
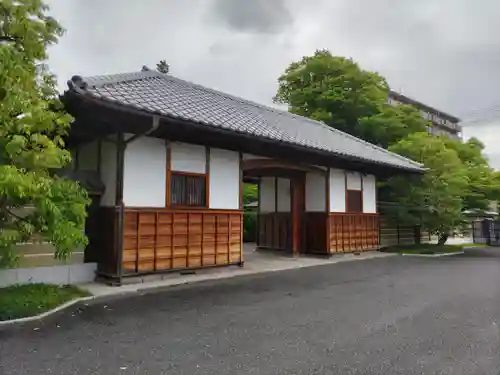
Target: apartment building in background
{"type": "Point", "coordinates": [442, 123]}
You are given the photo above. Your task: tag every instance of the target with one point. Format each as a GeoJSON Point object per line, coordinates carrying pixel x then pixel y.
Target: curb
{"type": "Point", "coordinates": [433, 255]}
{"type": "Point", "coordinates": [46, 313]}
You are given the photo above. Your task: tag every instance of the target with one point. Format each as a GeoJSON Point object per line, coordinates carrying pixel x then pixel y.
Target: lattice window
{"type": "Point", "coordinates": [188, 190]}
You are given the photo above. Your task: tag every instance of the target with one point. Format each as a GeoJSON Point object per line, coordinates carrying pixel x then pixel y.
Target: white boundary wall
{"type": "Point", "coordinates": [60, 275]}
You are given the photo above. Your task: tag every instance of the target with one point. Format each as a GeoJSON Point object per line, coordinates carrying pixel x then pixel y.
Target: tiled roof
{"type": "Point", "coordinates": [169, 96]}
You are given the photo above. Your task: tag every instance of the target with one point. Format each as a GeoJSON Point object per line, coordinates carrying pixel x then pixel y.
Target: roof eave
{"type": "Point", "coordinates": [86, 95]}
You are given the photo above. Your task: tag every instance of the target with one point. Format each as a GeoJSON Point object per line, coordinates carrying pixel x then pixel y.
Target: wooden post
{"type": "Point", "coordinates": [168, 174]}
{"type": "Point", "coordinates": [327, 211]}
{"type": "Point", "coordinates": [297, 213]}
{"type": "Point", "coordinates": [138, 242]}
{"type": "Point", "coordinates": [228, 238]}
{"type": "Point", "coordinates": [119, 205]}
{"type": "Point", "coordinates": [275, 234]}
{"type": "Point", "coordinates": [156, 240]}
{"type": "Point", "coordinates": [172, 239]}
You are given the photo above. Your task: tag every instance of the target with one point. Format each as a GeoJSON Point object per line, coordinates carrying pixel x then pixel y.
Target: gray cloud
{"type": "Point", "coordinates": [255, 16]}
{"type": "Point", "coordinates": [445, 53]}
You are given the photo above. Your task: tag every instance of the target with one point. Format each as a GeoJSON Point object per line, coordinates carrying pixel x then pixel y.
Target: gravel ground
{"type": "Point", "coordinates": [386, 316]}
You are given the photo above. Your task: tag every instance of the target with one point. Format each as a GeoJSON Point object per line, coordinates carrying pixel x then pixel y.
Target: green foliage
{"type": "Point", "coordinates": [436, 199]}
{"type": "Point", "coordinates": [163, 67]}
{"type": "Point", "coordinates": [332, 89]}
{"type": "Point", "coordinates": [21, 301]}
{"type": "Point", "coordinates": [336, 91]}
{"type": "Point", "coordinates": [391, 124]}
{"type": "Point", "coordinates": [484, 185]}
{"type": "Point", "coordinates": [250, 193]}
{"type": "Point", "coordinates": [33, 124]}
{"type": "Point", "coordinates": [250, 226]}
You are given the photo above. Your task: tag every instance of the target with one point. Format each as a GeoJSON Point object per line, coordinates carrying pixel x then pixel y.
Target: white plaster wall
{"type": "Point", "coordinates": [224, 179]}
{"type": "Point", "coordinates": [144, 174]}
{"type": "Point", "coordinates": [315, 192]}
{"type": "Point", "coordinates": [369, 194]}
{"type": "Point", "coordinates": [284, 196]}
{"type": "Point", "coordinates": [88, 155]}
{"type": "Point", "coordinates": [353, 181]}
{"type": "Point", "coordinates": [188, 158]}
{"type": "Point", "coordinates": [337, 190]}
{"type": "Point", "coordinates": [108, 173]}
{"type": "Point", "coordinates": [267, 194]}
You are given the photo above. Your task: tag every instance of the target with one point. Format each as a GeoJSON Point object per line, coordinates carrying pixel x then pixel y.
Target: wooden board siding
{"type": "Point", "coordinates": [161, 239]}
{"type": "Point", "coordinates": [315, 232]}
{"type": "Point", "coordinates": [353, 232]}
{"type": "Point", "coordinates": [275, 230]}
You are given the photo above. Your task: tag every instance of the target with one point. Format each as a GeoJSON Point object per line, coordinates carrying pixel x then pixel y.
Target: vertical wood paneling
{"type": "Point", "coordinates": [353, 232]}
{"type": "Point", "coordinates": [159, 240]}
{"type": "Point", "coordinates": [316, 232]}
{"type": "Point", "coordinates": [275, 230]}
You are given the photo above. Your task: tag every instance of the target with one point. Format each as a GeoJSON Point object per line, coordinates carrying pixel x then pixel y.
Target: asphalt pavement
{"type": "Point", "coordinates": [396, 315]}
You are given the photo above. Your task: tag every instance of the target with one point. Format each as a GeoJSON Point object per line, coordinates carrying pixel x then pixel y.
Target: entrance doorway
{"type": "Point", "coordinates": [280, 215]}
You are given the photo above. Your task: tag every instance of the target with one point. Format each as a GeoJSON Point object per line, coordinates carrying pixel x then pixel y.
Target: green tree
{"type": "Point", "coordinates": [34, 202]}
{"type": "Point", "coordinates": [332, 89]}
{"type": "Point", "coordinates": [163, 67]}
{"type": "Point", "coordinates": [392, 124]}
{"type": "Point", "coordinates": [484, 186]}
{"type": "Point", "coordinates": [434, 200]}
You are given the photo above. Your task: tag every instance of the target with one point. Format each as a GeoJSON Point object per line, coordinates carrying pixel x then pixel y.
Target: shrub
{"type": "Point", "coordinates": [250, 226]}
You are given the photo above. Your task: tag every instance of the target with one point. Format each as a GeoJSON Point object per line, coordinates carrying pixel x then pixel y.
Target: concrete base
{"type": "Point", "coordinates": [60, 275]}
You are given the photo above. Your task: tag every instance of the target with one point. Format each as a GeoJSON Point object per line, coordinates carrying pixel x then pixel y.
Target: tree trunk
{"type": "Point", "coordinates": [443, 237]}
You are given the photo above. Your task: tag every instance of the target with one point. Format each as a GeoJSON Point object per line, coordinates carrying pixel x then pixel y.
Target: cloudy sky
{"type": "Point", "coordinates": [445, 53]}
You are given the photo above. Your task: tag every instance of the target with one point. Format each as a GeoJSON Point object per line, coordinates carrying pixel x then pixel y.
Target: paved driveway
{"type": "Point", "coordinates": [394, 315]}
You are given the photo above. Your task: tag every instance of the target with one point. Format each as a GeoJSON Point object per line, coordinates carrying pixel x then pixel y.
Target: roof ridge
{"type": "Point", "coordinates": [108, 79]}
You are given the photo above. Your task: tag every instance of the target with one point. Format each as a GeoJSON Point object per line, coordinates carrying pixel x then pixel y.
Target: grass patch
{"type": "Point", "coordinates": [20, 301]}
{"type": "Point", "coordinates": [425, 249]}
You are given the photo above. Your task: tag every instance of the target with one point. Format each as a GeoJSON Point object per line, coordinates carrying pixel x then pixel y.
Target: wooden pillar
{"type": "Point", "coordinates": [327, 212]}
{"type": "Point", "coordinates": [119, 205]}
{"type": "Point", "coordinates": [298, 206]}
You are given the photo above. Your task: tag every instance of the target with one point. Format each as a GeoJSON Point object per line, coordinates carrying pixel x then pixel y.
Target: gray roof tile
{"type": "Point", "coordinates": [173, 97]}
